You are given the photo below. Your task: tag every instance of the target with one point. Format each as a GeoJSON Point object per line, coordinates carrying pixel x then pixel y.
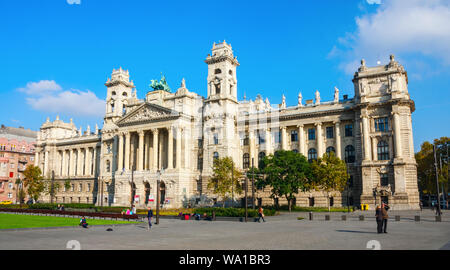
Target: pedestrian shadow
{"type": "Point", "coordinates": [355, 231]}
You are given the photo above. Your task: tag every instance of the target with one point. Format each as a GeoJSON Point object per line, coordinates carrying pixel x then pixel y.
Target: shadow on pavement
{"type": "Point", "coordinates": [355, 231]}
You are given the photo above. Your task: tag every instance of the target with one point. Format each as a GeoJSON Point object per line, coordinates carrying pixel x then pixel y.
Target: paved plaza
{"type": "Point", "coordinates": [279, 232]}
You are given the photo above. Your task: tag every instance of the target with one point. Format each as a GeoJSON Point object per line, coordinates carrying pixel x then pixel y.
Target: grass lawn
{"type": "Point", "coordinates": [13, 221]}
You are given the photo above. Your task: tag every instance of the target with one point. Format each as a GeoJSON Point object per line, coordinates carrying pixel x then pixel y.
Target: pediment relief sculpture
{"type": "Point", "coordinates": [145, 113]}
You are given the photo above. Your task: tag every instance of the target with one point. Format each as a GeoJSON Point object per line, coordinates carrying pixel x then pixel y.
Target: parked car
{"type": "Point", "coordinates": [6, 202]}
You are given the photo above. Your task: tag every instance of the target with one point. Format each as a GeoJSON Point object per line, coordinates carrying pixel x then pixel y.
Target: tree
{"type": "Point", "coordinates": [221, 181]}
{"type": "Point", "coordinates": [67, 184]}
{"type": "Point", "coordinates": [51, 188]}
{"type": "Point", "coordinates": [330, 173]}
{"type": "Point", "coordinates": [20, 193]}
{"type": "Point", "coordinates": [287, 173]}
{"type": "Point", "coordinates": [426, 173]}
{"type": "Point", "coordinates": [33, 181]}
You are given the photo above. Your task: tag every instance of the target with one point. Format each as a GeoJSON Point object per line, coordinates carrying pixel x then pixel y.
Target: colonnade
{"type": "Point", "coordinates": [152, 149]}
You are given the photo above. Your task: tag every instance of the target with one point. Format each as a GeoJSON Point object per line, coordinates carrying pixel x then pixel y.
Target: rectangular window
{"type": "Point", "coordinates": [349, 130]}
{"type": "Point", "coordinates": [294, 136]}
{"type": "Point", "coordinates": [330, 132]}
{"type": "Point", "coordinates": [10, 195]}
{"type": "Point", "coordinates": [199, 163]}
{"type": "Point", "coordinates": [311, 134]}
{"type": "Point", "coordinates": [381, 124]}
{"type": "Point", "coordinates": [216, 138]}
{"type": "Point", "coordinates": [200, 143]}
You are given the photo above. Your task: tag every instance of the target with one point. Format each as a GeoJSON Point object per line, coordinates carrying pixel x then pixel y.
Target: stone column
{"type": "Point", "coordinates": [411, 142]}
{"type": "Point", "coordinates": [70, 163]}
{"type": "Point", "coordinates": [397, 134]}
{"type": "Point", "coordinates": [62, 163]}
{"type": "Point", "coordinates": [141, 151]}
{"type": "Point", "coordinates": [146, 147]}
{"type": "Point", "coordinates": [301, 140]}
{"type": "Point", "coordinates": [79, 162]}
{"type": "Point", "coordinates": [186, 148]}
{"type": "Point", "coordinates": [36, 157]}
{"type": "Point", "coordinates": [94, 162]}
{"type": "Point", "coordinates": [170, 150]}
{"type": "Point", "coordinates": [155, 148]}
{"type": "Point", "coordinates": [251, 138]}
{"type": "Point", "coordinates": [283, 138]}
{"type": "Point", "coordinates": [337, 128]}
{"type": "Point", "coordinates": [178, 150]}
{"type": "Point", "coordinates": [87, 161]}
{"type": "Point", "coordinates": [45, 163]}
{"type": "Point", "coordinates": [319, 140]}
{"type": "Point", "coordinates": [365, 127]}
{"type": "Point", "coordinates": [374, 148]}
{"type": "Point", "coordinates": [127, 151]}
{"type": "Point", "coordinates": [120, 153]}
{"type": "Point", "coordinates": [268, 142]}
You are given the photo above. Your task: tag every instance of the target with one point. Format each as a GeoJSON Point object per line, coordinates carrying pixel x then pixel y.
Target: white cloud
{"type": "Point", "coordinates": [371, 2]}
{"type": "Point", "coordinates": [48, 96]}
{"type": "Point", "coordinates": [400, 27]}
{"type": "Point", "coordinates": [71, 2]}
{"type": "Point", "coordinates": [43, 86]}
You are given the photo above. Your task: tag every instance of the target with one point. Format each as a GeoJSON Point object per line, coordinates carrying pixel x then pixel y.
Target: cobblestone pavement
{"type": "Point", "coordinates": [279, 232]}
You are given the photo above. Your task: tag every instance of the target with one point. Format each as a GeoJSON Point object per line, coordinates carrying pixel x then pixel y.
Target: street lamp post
{"type": "Point", "coordinates": [253, 184]}
{"type": "Point", "coordinates": [232, 183]}
{"type": "Point", "coordinates": [246, 210]}
{"type": "Point", "coordinates": [52, 193]}
{"type": "Point", "coordinates": [437, 182]}
{"type": "Point", "coordinates": [158, 190]}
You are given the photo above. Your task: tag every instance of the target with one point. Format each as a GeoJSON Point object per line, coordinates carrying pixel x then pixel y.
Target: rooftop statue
{"type": "Point", "coordinates": [161, 85]}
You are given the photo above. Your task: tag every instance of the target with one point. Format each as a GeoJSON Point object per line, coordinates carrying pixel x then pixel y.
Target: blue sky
{"type": "Point", "coordinates": [55, 57]}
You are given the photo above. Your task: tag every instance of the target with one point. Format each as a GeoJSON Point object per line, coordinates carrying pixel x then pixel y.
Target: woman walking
{"type": "Point", "coordinates": [261, 214]}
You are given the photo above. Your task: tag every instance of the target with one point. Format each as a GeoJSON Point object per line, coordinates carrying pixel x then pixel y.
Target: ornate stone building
{"type": "Point", "coordinates": [176, 136]}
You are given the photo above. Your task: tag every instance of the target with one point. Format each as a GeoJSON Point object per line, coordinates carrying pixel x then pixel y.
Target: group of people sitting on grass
{"type": "Point", "coordinates": [128, 211]}
{"type": "Point", "coordinates": [196, 216]}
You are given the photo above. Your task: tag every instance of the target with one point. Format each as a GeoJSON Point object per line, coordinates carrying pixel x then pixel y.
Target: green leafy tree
{"type": "Point", "coordinates": [426, 172]}
{"type": "Point", "coordinates": [51, 188]}
{"type": "Point", "coordinates": [33, 181]}
{"type": "Point", "coordinates": [20, 193]}
{"type": "Point", "coordinates": [221, 182]}
{"type": "Point", "coordinates": [330, 174]}
{"type": "Point", "coordinates": [67, 184]}
{"type": "Point", "coordinates": [286, 173]}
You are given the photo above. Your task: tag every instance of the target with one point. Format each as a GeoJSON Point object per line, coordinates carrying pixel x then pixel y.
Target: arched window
{"type": "Point", "coordinates": [295, 151]}
{"type": "Point", "coordinates": [230, 72]}
{"type": "Point", "coordinates": [261, 156]}
{"type": "Point", "coordinates": [383, 150]}
{"type": "Point", "coordinates": [113, 93]}
{"type": "Point", "coordinates": [216, 155]}
{"type": "Point", "coordinates": [124, 94]}
{"type": "Point", "coordinates": [349, 154]}
{"type": "Point", "coordinates": [312, 154]}
{"type": "Point", "coordinates": [246, 161]}
{"type": "Point", "coordinates": [217, 71]}
{"type": "Point", "coordinates": [330, 149]}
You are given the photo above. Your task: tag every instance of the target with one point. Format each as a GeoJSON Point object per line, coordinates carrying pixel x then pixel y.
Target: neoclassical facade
{"type": "Point", "coordinates": [175, 137]}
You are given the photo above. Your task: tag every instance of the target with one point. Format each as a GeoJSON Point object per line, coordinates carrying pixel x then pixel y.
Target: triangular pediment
{"type": "Point", "coordinates": [148, 112]}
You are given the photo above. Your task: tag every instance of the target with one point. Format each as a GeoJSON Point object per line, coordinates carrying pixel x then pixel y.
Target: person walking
{"type": "Point", "coordinates": [149, 216]}
{"type": "Point", "coordinates": [384, 213]}
{"type": "Point", "coordinates": [261, 214]}
{"type": "Point", "coordinates": [420, 205]}
{"type": "Point", "coordinates": [379, 219]}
